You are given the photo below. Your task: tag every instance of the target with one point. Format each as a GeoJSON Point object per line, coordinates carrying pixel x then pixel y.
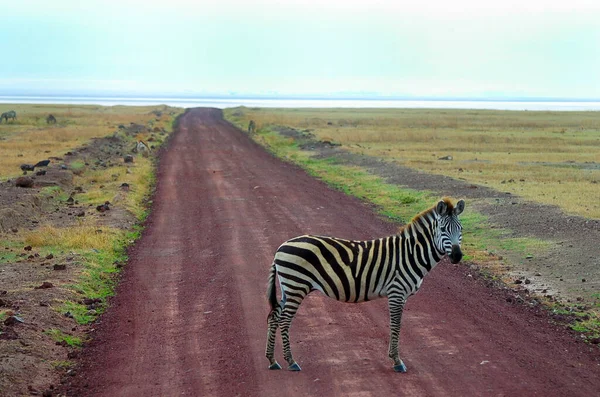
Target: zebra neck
{"type": "Point", "coordinates": [417, 252]}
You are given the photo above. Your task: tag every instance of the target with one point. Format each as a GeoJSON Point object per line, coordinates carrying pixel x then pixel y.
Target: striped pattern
{"type": "Point", "coordinates": [358, 271]}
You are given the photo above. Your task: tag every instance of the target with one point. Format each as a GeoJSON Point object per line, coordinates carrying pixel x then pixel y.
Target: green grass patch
{"type": "Point", "coordinates": [60, 336]}
{"type": "Point", "coordinates": [96, 278]}
{"type": "Point", "coordinates": [10, 250]}
{"type": "Point", "coordinates": [62, 365]}
{"type": "Point", "coordinates": [77, 166]}
{"type": "Point", "coordinates": [583, 319]}
{"type": "Point", "coordinates": [54, 192]}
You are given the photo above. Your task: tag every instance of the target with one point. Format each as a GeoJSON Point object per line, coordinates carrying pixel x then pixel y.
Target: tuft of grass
{"type": "Point", "coordinates": [55, 192]}
{"type": "Point", "coordinates": [10, 250]}
{"type": "Point", "coordinates": [73, 238]}
{"type": "Point", "coordinates": [62, 365]}
{"type": "Point", "coordinates": [585, 320]}
{"type": "Point", "coordinates": [60, 336]}
{"type": "Point", "coordinates": [77, 166]}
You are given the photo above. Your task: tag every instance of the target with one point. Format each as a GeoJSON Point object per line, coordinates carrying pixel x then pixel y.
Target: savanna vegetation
{"type": "Point", "coordinates": [547, 157]}
{"type": "Point", "coordinates": [30, 137]}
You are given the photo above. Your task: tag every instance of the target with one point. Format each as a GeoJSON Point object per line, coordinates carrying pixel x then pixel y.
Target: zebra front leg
{"type": "Point", "coordinates": [396, 307]}
{"type": "Point", "coordinates": [273, 323]}
{"type": "Point", "coordinates": [289, 311]}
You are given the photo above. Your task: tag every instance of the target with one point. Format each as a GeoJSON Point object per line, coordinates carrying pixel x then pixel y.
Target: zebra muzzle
{"type": "Point", "coordinates": [456, 254]}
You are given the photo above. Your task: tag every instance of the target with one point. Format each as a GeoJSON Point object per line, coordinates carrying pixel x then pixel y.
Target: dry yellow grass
{"type": "Point", "coordinates": [29, 139]}
{"type": "Point", "coordinates": [547, 157]}
{"type": "Point", "coordinates": [75, 237]}
{"type": "Point", "coordinates": [105, 186]}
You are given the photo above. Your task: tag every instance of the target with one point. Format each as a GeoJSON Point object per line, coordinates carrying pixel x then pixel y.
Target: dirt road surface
{"type": "Point", "coordinates": [189, 318]}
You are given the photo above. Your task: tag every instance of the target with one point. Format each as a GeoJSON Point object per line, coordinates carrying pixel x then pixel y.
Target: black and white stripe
{"type": "Point", "coordinates": [358, 271]}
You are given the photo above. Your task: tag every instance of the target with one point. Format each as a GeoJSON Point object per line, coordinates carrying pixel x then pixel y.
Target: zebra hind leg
{"type": "Point", "coordinates": [273, 323]}
{"type": "Point", "coordinates": [289, 311]}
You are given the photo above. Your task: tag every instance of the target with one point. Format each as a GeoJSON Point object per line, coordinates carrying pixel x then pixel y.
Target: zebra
{"type": "Point", "coordinates": [11, 114]}
{"type": "Point", "coordinates": [251, 126]}
{"type": "Point", "coordinates": [359, 271]}
{"type": "Point", "coordinates": [51, 119]}
{"type": "Point", "coordinates": [143, 148]}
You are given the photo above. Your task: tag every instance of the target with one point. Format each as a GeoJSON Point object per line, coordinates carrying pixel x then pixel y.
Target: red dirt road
{"type": "Point", "coordinates": [190, 314]}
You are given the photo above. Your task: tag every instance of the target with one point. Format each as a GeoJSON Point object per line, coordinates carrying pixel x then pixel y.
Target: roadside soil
{"type": "Point", "coordinates": [189, 317]}
{"type": "Point", "coordinates": [33, 283]}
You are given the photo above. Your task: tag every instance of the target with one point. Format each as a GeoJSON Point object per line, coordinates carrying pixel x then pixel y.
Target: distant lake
{"type": "Point", "coordinates": [306, 103]}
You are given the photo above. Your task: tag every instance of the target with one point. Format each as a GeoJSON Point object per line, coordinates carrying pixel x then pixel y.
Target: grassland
{"type": "Point", "coordinates": [29, 137]}
{"type": "Point", "coordinates": [97, 245]}
{"type": "Point", "coordinates": [546, 157]}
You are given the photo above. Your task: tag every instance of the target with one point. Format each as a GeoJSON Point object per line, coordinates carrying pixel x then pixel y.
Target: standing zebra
{"type": "Point", "coordinates": [11, 114]}
{"type": "Point", "coordinates": [358, 271]}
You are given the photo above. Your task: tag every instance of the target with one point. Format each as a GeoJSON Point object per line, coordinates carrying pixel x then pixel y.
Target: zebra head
{"type": "Point", "coordinates": [448, 234]}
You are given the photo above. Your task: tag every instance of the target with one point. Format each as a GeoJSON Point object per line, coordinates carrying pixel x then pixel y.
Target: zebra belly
{"type": "Point", "coordinates": [333, 280]}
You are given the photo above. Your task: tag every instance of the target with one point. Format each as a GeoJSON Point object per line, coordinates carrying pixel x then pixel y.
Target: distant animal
{"type": "Point", "coordinates": [251, 126]}
{"type": "Point", "coordinates": [358, 271]}
{"type": "Point", "coordinates": [143, 148]}
{"type": "Point", "coordinates": [8, 115]}
{"type": "Point", "coordinates": [51, 119]}
{"type": "Point", "coordinates": [43, 163]}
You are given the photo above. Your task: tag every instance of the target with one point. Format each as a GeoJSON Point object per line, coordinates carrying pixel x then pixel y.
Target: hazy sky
{"type": "Point", "coordinates": [454, 48]}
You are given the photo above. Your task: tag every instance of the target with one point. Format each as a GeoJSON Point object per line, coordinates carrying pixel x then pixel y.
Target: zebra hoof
{"type": "Point", "coordinates": [400, 367]}
{"type": "Point", "coordinates": [275, 365]}
{"type": "Point", "coordinates": [294, 367]}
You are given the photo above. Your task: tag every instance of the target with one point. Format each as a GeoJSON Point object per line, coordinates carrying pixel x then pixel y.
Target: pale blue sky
{"type": "Point", "coordinates": [459, 48]}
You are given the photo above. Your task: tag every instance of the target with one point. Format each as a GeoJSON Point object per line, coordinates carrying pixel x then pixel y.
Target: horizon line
{"type": "Point", "coordinates": [339, 97]}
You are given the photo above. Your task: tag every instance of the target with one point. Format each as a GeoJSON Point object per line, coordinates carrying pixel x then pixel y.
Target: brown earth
{"type": "Point", "coordinates": [189, 317]}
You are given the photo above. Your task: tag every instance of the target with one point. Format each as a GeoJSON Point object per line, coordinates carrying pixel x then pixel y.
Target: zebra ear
{"type": "Point", "coordinates": [460, 207]}
{"type": "Point", "coordinates": [441, 208]}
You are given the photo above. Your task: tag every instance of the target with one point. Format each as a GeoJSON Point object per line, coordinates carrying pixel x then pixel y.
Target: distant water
{"type": "Point", "coordinates": [305, 103]}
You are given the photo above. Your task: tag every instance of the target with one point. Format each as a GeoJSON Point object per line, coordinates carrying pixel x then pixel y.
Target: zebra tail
{"type": "Point", "coordinates": [271, 289]}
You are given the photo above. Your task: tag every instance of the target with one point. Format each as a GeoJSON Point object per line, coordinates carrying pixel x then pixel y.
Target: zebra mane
{"type": "Point", "coordinates": [419, 218]}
